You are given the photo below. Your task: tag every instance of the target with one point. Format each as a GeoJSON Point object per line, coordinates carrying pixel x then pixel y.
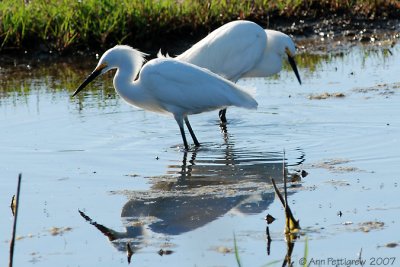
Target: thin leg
{"type": "Point", "coordinates": [222, 116]}
{"type": "Point", "coordinates": [184, 138]}
{"type": "Point", "coordinates": [191, 131]}
{"type": "Point", "coordinates": [180, 124]}
{"type": "Point", "coordinates": [224, 129]}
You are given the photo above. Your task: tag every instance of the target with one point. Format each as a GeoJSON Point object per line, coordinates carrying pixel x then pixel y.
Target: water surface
{"type": "Point", "coordinates": [126, 169]}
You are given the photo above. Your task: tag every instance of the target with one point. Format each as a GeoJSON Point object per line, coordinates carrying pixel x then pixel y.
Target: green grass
{"type": "Point", "coordinates": [236, 249]}
{"type": "Point", "coordinates": [305, 257]}
{"type": "Point", "coordinates": [63, 25]}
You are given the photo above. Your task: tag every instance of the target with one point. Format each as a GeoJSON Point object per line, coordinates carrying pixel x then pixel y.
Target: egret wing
{"type": "Point", "coordinates": [230, 51]}
{"type": "Point", "coordinates": [184, 88]}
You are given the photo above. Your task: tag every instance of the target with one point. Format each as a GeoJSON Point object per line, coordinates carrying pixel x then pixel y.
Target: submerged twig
{"type": "Point", "coordinates": [12, 205]}
{"type": "Point", "coordinates": [15, 212]}
{"type": "Point", "coordinates": [163, 252]}
{"type": "Point", "coordinates": [287, 209]}
{"type": "Point", "coordinates": [288, 257]}
{"type": "Point", "coordinates": [111, 234]}
{"type": "Point", "coordinates": [292, 225]}
{"type": "Point", "coordinates": [277, 192]}
{"type": "Point", "coordinates": [129, 252]}
{"type": "Point", "coordinates": [268, 241]}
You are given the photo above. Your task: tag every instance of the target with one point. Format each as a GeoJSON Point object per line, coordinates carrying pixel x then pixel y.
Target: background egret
{"type": "Point", "coordinates": [242, 49]}
{"type": "Point", "coordinates": [168, 86]}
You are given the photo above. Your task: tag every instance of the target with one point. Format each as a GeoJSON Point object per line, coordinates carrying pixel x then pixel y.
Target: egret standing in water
{"type": "Point", "coordinates": [168, 86]}
{"type": "Point", "coordinates": [241, 49]}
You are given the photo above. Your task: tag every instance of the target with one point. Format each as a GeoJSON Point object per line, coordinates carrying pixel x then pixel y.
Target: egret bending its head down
{"type": "Point", "coordinates": [242, 49]}
{"type": "Point", "coordinates": [168, 86]}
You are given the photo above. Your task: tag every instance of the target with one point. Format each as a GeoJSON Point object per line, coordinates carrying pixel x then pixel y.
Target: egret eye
{"type": "Point", "coordinates": [168, 86]}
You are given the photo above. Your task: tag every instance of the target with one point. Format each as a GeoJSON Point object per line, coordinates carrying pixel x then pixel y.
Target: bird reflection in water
{"type": "Point", "coordinates": [207, 184]}
{"type": "Point", "coordinates": [224, 164]}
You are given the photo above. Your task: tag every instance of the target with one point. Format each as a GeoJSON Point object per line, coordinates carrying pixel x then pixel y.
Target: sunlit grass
{"type": "Point", "coordinates": [61, 25]}
{"type": "Point", "coordinates": [237, 257]}
{"type": "Point", "coordinates": [305, 256]}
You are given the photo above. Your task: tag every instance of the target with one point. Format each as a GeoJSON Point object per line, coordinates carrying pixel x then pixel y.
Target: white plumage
{"type": "Point", "coordinates": [167, 85]}
{"type": "Point", "coordinates": [242, 49]}
{"type": "Point", "coordinates": [230, 50]}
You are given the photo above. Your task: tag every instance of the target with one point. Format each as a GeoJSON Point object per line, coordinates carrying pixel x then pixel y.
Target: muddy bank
{"type": "Point", "coordinates": [334, 34]}
{"type": "Point", "coordinates": [310, 34]}
{"type": "Point", "coordinates": [305, 30]}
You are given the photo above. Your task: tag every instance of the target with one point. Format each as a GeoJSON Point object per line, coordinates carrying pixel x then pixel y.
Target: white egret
{"type": "Point", "coordinates": [168, 86]}
{"type": "Point", "coordinates": [242, 49]}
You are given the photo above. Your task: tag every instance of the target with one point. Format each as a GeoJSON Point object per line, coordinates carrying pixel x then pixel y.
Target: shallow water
{"type": "Point", "coordinates": [126, 170]}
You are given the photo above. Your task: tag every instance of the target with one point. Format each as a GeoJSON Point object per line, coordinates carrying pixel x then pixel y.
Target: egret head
{"type": "Point", "coordinates": [283, 45]}
{"type": "Point", "coordinates": [114, 58]}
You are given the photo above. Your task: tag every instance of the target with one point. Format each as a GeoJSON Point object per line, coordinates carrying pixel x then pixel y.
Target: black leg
{"type": "Point", "coordinates": [191, 132]}
{"type": "Point", "coordinates": [183, 137]}
{"type": "Point", "coordinates": [222, 116]}
{"type": "Point", "coordinates": [179, 120]}
{"type": "Point", "coordinates": [224, 129]}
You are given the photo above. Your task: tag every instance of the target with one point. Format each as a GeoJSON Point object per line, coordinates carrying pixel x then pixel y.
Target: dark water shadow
{"type": "Point", "coordinates": [202, 187]}
{"type": "Point", "coordinates": [222, 164]}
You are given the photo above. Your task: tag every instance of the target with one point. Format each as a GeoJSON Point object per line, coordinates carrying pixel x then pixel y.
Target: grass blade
{"type": "Point", "coordinates": [236, 251]}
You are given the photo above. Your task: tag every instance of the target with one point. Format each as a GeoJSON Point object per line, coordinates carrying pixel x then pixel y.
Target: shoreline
{"type": "Point", "coordinates": [61, 28]}
{"type": "Point", "coordinates": [311, 35]}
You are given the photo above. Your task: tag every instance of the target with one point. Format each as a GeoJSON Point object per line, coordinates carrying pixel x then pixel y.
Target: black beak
{"type": "Point", "coordinates": [90, 78]}
{"type": "Point", "coordinates": [294, 67]}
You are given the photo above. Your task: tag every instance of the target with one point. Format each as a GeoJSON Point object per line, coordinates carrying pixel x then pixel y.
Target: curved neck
{"type": "Point", "coordinates": [131, 90]}
{"type": "Point", "coordinates": [124, 79]}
